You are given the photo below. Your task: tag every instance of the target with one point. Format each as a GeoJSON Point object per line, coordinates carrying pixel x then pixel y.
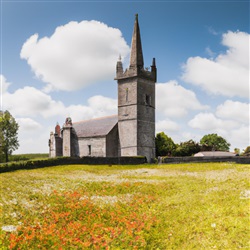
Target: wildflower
{"type": "Point", "coordinates": [9, 228]}
{"type": "Point", "coordinates": [213, 225]}
{"type": "Point", "coordinates": [245, 194]}
{"type": "Point", "coordinates": [13, 215]}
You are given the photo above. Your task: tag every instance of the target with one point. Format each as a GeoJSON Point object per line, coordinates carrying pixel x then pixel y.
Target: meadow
{"type": "Point", "coordinates": [178, 206]}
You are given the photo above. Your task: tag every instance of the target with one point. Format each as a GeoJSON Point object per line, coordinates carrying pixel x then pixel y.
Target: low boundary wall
{"type": "Point", "coordinates": [236, 159]}
{"type": "Point", "coordinates": [33, 164]}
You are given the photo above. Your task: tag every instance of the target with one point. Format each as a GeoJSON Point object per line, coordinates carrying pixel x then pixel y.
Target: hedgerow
{"type": "Point", "coordinates": [33, 164]}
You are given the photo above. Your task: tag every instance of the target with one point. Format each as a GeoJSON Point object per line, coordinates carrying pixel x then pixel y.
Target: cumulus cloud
{"type": "Point", "coordinates": [234, 129]}
{"type": "Point", "coordinates": [76, 55]}
{"type": "Point", "coordinates": [227, 74]}
{"type": "Point", "coordinates": [98, 106]}
{"type": "Point", "coordinates": [166, 126]}
{"type": "Point", "coordinates": [208, 121]}
{"type": "Point", "coordinates": [28, 124]}
{"type": "Point", "coordinates": [31, 102]}
{"type": "Point", "coordinates": [33, 108]}
{"type": "Point", "coordinates": [174, 100]}
{"type": "Point", "coordinates": [234, 110]}
{"type": "Point", "coordinates": [4, 84]}
{"type": "Point", "coordinates": [239, 137]}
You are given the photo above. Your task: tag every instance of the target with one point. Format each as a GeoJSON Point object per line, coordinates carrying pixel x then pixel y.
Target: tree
{"type": "Point", "coordinates": [214, 142]}
{"type": "Point", "coordinates": [246, 151]}
{"type": "Point", "coordinates": [164, 145]}
{"type": "Point", "coordinates": [187, 148]}
{"type": "Point", "coordinates": [8, 134]}
{"type": "Point", "coordinates": [237, 151]}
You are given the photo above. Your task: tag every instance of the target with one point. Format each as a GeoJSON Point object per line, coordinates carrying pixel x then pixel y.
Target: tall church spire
{"type": "Point", "coordinates": [136, 67]}
{"type": "Point", "coordinates": [136, 56]}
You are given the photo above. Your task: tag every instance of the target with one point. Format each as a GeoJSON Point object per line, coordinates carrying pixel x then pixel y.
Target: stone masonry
{"type": "Point", "coordinates": [136, 102]}
{"type": "Point", "coordinates": [132, 132]}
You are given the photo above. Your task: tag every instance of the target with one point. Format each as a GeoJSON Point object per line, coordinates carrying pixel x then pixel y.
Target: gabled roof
{"type": "Point", "coordinates": [215, 154]}
{"type": "Point", "coordinates": [95, 127]}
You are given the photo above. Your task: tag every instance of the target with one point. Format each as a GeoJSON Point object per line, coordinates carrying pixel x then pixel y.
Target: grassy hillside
{"type": "Point", "coordinates": [180, 206]}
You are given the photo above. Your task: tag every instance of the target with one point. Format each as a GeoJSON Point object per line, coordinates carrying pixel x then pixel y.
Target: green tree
{"type": "Point", "coordinates": [214, 142]}
{"type": "Point", "coordinates": [246, 151]}
{"type": "Point", "coordinates": [8, 134]}
{"type": "Point", "coordinates": [187, 148]}
{"type": "Point", "coordinates": [237, 151]}
{"type": "Point", "coordinates": [164, 145]}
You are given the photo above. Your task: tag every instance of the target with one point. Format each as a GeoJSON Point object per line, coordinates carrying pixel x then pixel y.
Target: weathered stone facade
{"type": "Point", "coordinates": [136, 103]}
{"type": "Point", "coordinates": [132, 132]}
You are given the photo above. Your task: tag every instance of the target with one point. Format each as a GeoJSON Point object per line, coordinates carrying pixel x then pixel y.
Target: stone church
{"type": "Point", "coordinates": [132, 131]}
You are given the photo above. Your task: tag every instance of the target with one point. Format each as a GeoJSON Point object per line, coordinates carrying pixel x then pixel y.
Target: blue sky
{"type": "Point", "coordinates": [58, 59]}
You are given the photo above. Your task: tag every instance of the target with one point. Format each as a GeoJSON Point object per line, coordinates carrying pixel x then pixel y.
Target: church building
{"type": "Point", "coordinates": [131, 132]}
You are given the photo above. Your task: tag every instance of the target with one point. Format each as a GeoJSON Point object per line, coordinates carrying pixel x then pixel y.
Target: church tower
{"type": "Point", "coordinates": [136, 102]}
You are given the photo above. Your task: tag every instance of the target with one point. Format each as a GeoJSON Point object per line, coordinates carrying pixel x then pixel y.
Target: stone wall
{"type": "Point", "coordinates": [146, 119]}
{"type": "Point", "coordinates": [52, 145]}
{"type": "Point", "coordinates": [58, 144]}
{"type": "Point", "coordinates": [12, 166]}
{"type": "Point", "coordinates": [237, 159]}
{"type": "Point", "coordinates": [114, 160]}
{"type": "Point", "coordinates": [94, 146]}
{"type": "Point", "coordinates": [67, 141]}
{"type": "Point", "coordinates": [112, 142]}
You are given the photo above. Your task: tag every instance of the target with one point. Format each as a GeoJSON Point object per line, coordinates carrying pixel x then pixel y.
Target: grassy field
{"type": "Point", "coordinates": [25, 157]}
{"type": "Point", "coordinates": [180, 206]}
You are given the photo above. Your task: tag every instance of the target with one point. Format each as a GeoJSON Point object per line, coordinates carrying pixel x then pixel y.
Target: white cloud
{"type": "Point", "coordinates": [4, 84]}
{"type": "Point", "coordinates": [209, 122]}
{"type": "Point", "coordinates": [34, 139]}
{"type": "Point", "coordinates": [28, 124]}
{"type": "Point", "coordinates": [233, 129]}
{"type": "Point", "coordinates": [234, 110]}
{"type": "Point", "coordinates": [174, 100]}
{"type": "Point", "coordinates": [227, 74]}
{"type": "Point", "coordinates": [212, 31]}
{"type": "Point", "coordinates": [31, 102]}
{"type": "Point", "coordinates": [210, 52]}
{"type": "Point", "coordinates": [166, 126]}
{"type": "Point", "coordinates": [98, 106]}
{"type": "Point", "coordinates": [76, 55]}
{"type": "Point", "coordinates": [239, 137]}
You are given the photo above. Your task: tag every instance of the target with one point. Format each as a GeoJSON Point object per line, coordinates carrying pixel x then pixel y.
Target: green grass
{"type": "Point", "coordinates": [25, 157]}
{"type": "Point", "coordinates": [179, 206]}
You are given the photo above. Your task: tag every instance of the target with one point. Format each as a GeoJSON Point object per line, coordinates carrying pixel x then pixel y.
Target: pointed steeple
{"type": "Point", "coordinates": [136, 56]}
{"type": "Point", "coordinates": [136, 67]}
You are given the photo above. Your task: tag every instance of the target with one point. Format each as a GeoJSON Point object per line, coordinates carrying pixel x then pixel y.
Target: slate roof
{"type": "Point", "coordinates": [215, 154]}
{"type": "Point", "coordinates": [95, 127]}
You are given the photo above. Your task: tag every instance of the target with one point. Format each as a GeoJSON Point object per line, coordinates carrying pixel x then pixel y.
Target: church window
{"type": "Point", "coordinates": [148, 100]}
{"type": "Point", "coordinates": [89, 147]}
{"type": "Point", "coordinates": [126, 94]}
